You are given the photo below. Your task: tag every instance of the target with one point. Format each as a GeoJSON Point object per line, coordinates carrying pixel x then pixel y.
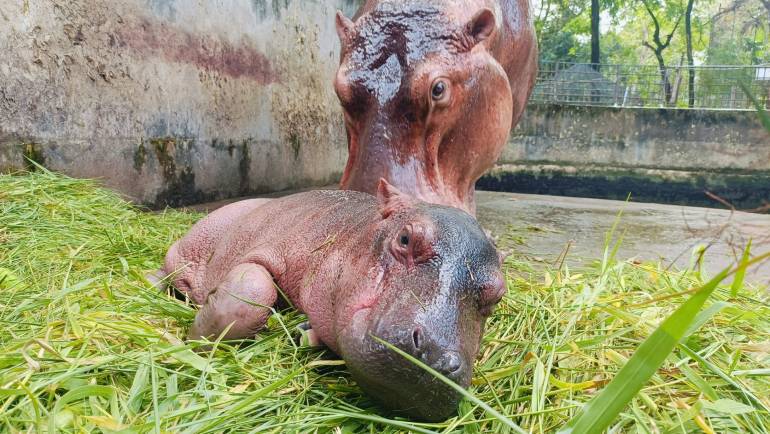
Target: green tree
{"type": "Point", "coordinates": [660, 43]}
{"type": "Point", "coordinates": [595, 29]}
{"type": "Point", "coordinates": [690, 59]}
{"type": "Point", "coordinates": [766, 4]}
{"type": "Point", "coordinates": [608, 31]}
{"type": "Point", "coordinates": [560, 24]}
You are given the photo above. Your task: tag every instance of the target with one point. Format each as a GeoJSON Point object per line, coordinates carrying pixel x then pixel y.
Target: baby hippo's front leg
{"type": "Point", "coordinates": [242, 299]}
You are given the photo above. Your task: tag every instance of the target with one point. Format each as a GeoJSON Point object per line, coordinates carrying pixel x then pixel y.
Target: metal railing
{"type": "Point", "coordinates": [646, 86]}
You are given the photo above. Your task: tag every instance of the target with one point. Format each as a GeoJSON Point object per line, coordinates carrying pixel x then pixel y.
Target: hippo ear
{"type": "Point", "coordinates": [391, 199]}
{"type": "Point", "coordinates": [344, 28]}
{"type": "Point", "coordinates": [481, 26]}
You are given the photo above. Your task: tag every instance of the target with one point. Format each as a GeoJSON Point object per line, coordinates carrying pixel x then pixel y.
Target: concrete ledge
{"type": "Point", "coordinates": [690, 140]}
{"type": "Point", "coordinates": [744, 189]}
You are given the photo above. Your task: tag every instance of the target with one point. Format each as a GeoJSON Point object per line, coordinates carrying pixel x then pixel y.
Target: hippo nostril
{"type": "Point", "coordinates": [452, 363]}
{"type": "Point", "coordinates": [416, 338]}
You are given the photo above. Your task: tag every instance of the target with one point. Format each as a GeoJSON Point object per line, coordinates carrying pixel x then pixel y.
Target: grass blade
{"type": "Point", "coordinates": [740, 275]}
{"type": "Point", "coordinates": [76, 395]}
{"type": "Point", "coordinates": [602, 410]}
{"type": "Point", "coordinates": [749, 397]}
{"type": "Point", "coordinates": [382, 420]}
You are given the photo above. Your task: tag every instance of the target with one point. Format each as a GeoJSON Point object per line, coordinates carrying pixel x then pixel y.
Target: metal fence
{"type": "Point", "coordinates": [646, 86]}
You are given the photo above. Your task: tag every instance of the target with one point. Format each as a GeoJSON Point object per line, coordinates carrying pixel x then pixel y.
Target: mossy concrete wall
{"type": "Point", "coordinates": [173, 101]}
{"type": "Point", "coordinates": [669, 156]}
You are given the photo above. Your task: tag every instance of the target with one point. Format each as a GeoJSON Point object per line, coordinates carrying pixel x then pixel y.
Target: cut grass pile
{"type": "Point", "coordinates": [88, 345]}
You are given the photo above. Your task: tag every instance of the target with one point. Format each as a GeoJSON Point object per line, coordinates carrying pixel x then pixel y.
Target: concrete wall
{"type": "Point", "coordinates": [666, 156]}
{"type": "Point", "coordinates": [640, 138]}
{"type": "Point", "coordinates": [173, 101]}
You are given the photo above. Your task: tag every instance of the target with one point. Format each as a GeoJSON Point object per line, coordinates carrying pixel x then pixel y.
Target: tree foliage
{"type": "Point", "coordinates": [736, 32]}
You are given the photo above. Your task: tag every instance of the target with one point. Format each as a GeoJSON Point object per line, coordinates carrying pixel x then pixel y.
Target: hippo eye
{"type": "Point", "coordinates": [413, 245]}
{"type": "Point", "coordinates": [438, 90]}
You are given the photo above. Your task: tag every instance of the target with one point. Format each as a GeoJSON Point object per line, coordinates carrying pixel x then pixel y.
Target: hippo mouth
{"type": "Point", "coordinates": [409, 391]}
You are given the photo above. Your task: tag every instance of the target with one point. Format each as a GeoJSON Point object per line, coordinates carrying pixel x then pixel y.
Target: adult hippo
{"type": "Point", "coordinates": [430, 90]}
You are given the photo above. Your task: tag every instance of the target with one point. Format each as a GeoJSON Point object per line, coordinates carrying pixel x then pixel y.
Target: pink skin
{"type": "Point", "coordinates": [430, 92]}
{"type": "Point", "coordinates": [423, 277]}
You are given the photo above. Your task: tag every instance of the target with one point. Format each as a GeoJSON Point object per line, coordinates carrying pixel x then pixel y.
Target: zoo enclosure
{"type": "Point", "coordinates": [648, 86]}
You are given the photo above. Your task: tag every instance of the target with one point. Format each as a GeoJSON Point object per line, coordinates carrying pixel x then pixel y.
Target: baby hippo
{"type": "Point", "coordinates": [423, 277]}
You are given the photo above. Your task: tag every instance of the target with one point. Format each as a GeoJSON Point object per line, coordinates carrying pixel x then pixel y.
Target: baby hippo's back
{"type": "Point", "coordinates": [269, 230]}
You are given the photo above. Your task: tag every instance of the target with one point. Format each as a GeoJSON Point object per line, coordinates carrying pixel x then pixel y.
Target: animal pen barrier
{"type": "Point", "coordinates": [649, 86]}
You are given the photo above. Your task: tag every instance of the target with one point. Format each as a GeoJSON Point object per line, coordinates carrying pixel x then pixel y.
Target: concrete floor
{"type": "Point", "coordinates": [545, 225]}
{"type": "Point", "coordinates": [669, 233]}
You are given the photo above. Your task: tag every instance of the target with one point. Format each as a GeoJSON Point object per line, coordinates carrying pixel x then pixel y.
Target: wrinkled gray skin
{"type": "Point", "coordinates": [423, 277]}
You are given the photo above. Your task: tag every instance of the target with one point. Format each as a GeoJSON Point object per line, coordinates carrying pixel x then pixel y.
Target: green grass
{"type": "Point", "coordinates": [764, 116]}
{"type": "Point", "coordinates": [86, 344]}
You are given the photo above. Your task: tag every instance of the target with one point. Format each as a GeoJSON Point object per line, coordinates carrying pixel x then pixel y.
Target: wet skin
{"type": "Point", "coordinates": [421, 276]}
{"type": "Point", "coordinates": [430, 91]}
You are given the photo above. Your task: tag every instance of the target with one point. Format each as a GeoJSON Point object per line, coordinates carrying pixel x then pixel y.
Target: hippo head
{"type": "Point", "coordinates": [435, 279]}
{"type": "Point", "coordinates": [426, 105]}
